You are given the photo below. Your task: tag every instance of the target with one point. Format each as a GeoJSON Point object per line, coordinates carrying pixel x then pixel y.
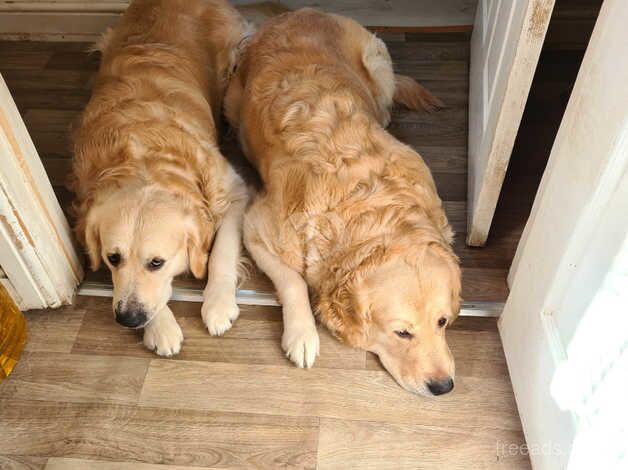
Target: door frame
{"type": "Point", "coordinates": [587, 164]}
{"type": "Point", "coordinates": [512, 34]}
{"type": "Point", "coordinates": [41, 265]}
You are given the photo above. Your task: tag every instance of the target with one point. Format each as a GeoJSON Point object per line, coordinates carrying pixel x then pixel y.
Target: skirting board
{"type": "Point", "coordinates": [252, 297]}
{"type": "Point", "coordinates": [86, 21]}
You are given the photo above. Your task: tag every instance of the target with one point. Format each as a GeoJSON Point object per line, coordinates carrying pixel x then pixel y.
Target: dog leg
{"type": "Point", "coordinates": [300, 337]}
{"type": "Point", "coordinates": [163, 334]}
{"type": "Point", "coordinates": [220, 309]}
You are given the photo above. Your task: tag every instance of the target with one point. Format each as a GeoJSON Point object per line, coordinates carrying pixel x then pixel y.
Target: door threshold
{"type": "Point", "coordinates": [253, 297]}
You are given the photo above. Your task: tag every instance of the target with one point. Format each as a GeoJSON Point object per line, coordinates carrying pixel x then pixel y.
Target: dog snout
{"type": "Point", "coordinates": [130, 314]}
{"type": "Point", "coordinates": [440, 387]}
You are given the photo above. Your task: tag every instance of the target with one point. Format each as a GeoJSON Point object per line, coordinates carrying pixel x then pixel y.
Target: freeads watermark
{"type": "Point", "coordinates": [548, 448]}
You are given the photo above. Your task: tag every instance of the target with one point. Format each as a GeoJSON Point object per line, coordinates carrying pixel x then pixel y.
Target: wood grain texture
{"type": "Point", "coordinates": [22, 462]}
{"type": "Point", "coordinates": [75, 378]}
{"type": "Point", "coordinates": [173, 437]}
{"type": "Point", "coordinates": [254, 339]}
{"type": "Point", "coordinates": [54, 330]}
{"type": "Point", "coordinates": [363, 395]}
{"type": "Point", "coordinates": [60, 463]}
{"type": "Point", "coordinates": [236, 402]}
{"type": "Point", "coordinates": [355, 445]}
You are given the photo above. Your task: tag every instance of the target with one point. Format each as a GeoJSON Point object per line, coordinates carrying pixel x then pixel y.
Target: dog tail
{"type": "Point", "coordinates": [413, 95]}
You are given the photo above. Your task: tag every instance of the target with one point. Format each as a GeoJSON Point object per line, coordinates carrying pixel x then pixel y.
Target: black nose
{"type": "Point", "coordinates": [131, 315]}
{"type": "Point", "coordinates": [440, 387]}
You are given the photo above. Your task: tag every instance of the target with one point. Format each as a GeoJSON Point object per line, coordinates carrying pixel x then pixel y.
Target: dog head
{"type": "Point", "coordinates": [399, 309]}
{"type": "Point", "coordinates": [146, 236]}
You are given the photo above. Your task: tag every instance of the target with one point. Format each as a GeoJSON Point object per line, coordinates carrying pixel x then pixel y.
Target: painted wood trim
{"type": "Point", "coordinates": [587, 166]}
{"type": "Point", "coordinates": [86, 21]}
{"type": "Point", "coordinates": [36, 245]}
{"type": "Point", "coordinates": [489, 154]}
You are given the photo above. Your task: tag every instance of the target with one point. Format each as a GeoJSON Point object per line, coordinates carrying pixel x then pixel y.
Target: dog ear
{"type": "Point", "coordinates": [92, 241]}
{"type": "Point", "coordinates": [198, 258]}
{"type": "Point", "coordinates": [453, 265]}
{"type": "Point", "coordinates": [198, 247]}
{"type": "Point", "coordinates": [345, 313]}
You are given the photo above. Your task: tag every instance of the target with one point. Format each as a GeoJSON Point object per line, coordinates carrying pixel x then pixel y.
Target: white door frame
{"type": "Point", "coordinates": [505, 47]}
{"type": "Point", "coordinates": [577, 195]}
{"type": "Point", "coordinates": [37, 254]}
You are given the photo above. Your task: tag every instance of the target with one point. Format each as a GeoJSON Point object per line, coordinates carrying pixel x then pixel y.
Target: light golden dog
{"type": "Point", "coordinates": [346, 210]}
{"type": "Point", "coordinates": [152, 186]}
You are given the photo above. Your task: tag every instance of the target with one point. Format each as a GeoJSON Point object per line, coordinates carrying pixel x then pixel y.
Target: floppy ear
{"type": "Point", "coordinates": [345, 313]}
{"type": "Point", "coordinates": [453, 265]}
{"type": "Point", "coordinates": [198, 248]}
{"type": "Point", "coordinates": [198, 259]}
{"type": "Point", "coordinates": [92, 241]}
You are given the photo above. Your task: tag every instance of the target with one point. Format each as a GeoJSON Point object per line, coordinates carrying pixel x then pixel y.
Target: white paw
{"type": "Point", "coordinates": [219, 311]}
{"type": "Point", "coordinates": [301, 345]}
{"type": "Point", "coordinates": [163, 337]}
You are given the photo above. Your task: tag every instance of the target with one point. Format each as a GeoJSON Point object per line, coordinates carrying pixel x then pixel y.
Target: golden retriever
{"type": "Point", "coordinates": [152, 186]}
{"type": "Point", "coordinates": [347, 213]}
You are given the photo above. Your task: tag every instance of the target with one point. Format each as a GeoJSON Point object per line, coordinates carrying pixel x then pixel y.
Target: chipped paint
{"type": "Point", "coordinates": [23, 164]}
{"type": "Point", "coordinates": [16, 240]}
{"type": "Point", "coordinates": [539, 20]}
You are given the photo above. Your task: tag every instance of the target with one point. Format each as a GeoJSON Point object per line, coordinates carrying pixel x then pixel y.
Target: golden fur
{"type": "Point", "coordinates": [345, 205]}
{"type": "Point", "coordinates": [149, 178]}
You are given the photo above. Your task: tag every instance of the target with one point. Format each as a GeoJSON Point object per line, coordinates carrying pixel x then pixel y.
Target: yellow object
{"type": "Point", "coordinates": [12, 333]}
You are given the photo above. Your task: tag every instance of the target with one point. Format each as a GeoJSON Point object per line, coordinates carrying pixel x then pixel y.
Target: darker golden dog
{"type": "Point", "coordinates": [348, 213]}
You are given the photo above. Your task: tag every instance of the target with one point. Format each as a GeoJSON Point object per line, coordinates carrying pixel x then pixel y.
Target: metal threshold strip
{"type": "Point", "coordinates": [253, 297]}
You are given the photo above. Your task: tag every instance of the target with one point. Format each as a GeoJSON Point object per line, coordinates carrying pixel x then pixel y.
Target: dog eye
{"type": "Point", "coordinates": [155, 264]}
{"type": "Point", "coordinates": [442, 321]}
{"type": "Point", "coordinates": [114, 259]}
{"type": "Point", "coordinates": [404, 334]}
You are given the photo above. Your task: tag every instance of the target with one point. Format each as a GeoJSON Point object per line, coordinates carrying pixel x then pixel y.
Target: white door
{"type": "Point", "coordinates": [39, 265]}
{"type": "Point", "coordinates": [505, 47]}
{"type": "Point", "coordinates": [565, 324]}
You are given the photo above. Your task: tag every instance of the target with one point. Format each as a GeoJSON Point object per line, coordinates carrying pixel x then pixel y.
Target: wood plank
{"type": "Point", "coordinates": [363, 395]}
{"type": "Point", "coordinates": [441, 158]}
{"type": "Point", "coordinates": [409, 52]}
{"type": "Point", "coordinates": [22, 462]}
{"type": "Point", "coordinates": [484, 284]}
{"type": "Point", "coordinates": [255, 338]}
{"type": "Point", "coordinates": [24, 60]}
{"type": "Point", "coordinates": [424, 70]}
{"type": "Point", "coordinates": [375, 445]}
{"type": "Point", "coordinates": [75, 378]}
{"type": "Point", "coordinates": [53, 79]}
{"type": "Point", "coordinates": [448, 125]}
{"type": "Point", "coordinates": [26, 98]}
{"type": "Point", "coordinates": [54, 331]}
{"type": "Point", "coordinates": [61, 463]}
{"type": "Point", "coordinates": [149, 435]}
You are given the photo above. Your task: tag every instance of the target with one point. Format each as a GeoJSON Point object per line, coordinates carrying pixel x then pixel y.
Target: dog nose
{"type": "Point", "coordinates": [130, 316]}
{"type": "Point", "coordinates": [440, 387]}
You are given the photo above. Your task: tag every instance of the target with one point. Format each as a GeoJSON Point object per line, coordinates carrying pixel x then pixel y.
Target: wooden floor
{"type": "Point", "coordinates": [86, 393]}
{"type": "Point", "coordinates": [50, 83]}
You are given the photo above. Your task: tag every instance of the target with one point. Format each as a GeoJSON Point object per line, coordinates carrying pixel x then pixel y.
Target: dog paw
{"type": "Point", "coordinates": [219, 312]}
{"type": "Point", "coordinates": [163, 338]}
{"type": "Point", "coordinates": [301, 345]}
